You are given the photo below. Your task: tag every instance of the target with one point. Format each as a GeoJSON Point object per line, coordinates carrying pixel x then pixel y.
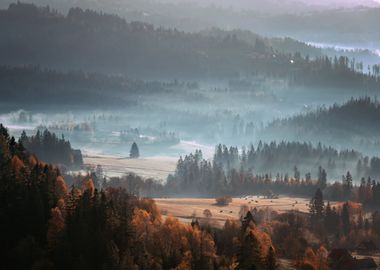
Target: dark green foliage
{"type": "Point", "coordinates": [347, 182]}
{"type": "Point", "coordinates": [134, 152]}
{"type": "Point", "coordinates": [194, 175]}
{"type": "Point", "coordinates": [45, 227]}
{"type": "Point", "coordinates": [231, 174]}
{"type": "Point", "coordinates": [139, 49]}
{"type": "Point", "coordinates": [26, 197]}
{"type": "Point", "coordinates": [334, 125]}
{"type": "Point", "coordinates": [49, 148]}
{"type": "Point", "coordinates": [332, 219]}
{"type": "Point", "coordinates": [97, 232]}
{"type": "Point", "coordinates": [52, 88]}
{"type": "Point", "coordinates": [249, 257]}
{"type": "Point", "coordinates": [284, 157]}
{"type": "Point", "coordinates": [317, 207]}
{"type": "Point", "coordinates": [322, 178]}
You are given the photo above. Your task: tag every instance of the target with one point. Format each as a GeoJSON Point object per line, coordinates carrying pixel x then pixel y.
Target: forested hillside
{"type": "Point", "coordinates": [45, 225]}
{"type": "Point", "coordinates": [355, 124]}
{"type": "Point", "coordinates": [49, 148]}
{"type": "Point", "coordinates": [40, 36]}
{"type": "Point", "coordinates": [49, 88]}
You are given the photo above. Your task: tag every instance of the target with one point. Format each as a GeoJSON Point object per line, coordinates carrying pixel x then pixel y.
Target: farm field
{"type": "Point", "coordinates": [186, 208]}
{"type": "Point", "coordinates": [150, 167]}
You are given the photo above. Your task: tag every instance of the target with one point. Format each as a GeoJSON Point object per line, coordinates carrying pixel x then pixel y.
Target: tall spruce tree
{"type": "Point", "coordinates": [249, 257]}
{"type": "Point", "coordinates": [317, 206]}
{"type": "Point", "coordinates": [134, 152]}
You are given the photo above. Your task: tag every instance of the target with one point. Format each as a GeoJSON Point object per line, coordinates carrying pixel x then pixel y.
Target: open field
{"type": "Point", "coordinates": [185, 208]}
{"type": "Point", "coordinates": [155, 167]}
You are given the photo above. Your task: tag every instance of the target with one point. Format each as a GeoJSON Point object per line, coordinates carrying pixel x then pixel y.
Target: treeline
{"type": "Point", "coordinates": [141, 50]}
{"type": "Point", "coordinates": [304, 238]}
{"type": "Point", "coordinates": [49, 148]}
{"type": "Point", "coordinates": [20, 85]}
{"type": "Point", "coordinates": [287, 157]}
{"type": "Point", "coordinates": [305, 65]}
{"type": "Point", "coordinates": [355, 123]}
{"type": "Point", "coordinates": [46, 225]}
{"type": "Point", "coordinates": [345, 224]}
{"type": "Point", "coordinates": [230, 175]}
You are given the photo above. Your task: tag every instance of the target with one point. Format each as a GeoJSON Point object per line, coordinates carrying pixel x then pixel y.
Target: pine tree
{"type": "Point", "coordinates": [322, 178]}
{"type": "Point", "coordinates": [249, 257]}
{"type": "Point", "coordinates": [317, 206]}
{"type": "Point", "coordinates": [297, 174]}
{"type": "Point", "coordinates": [247, 221]}
{"type": "Point", "coordinates": [348, 182]}
{"type": "Point", "coordinates": [134, 152]}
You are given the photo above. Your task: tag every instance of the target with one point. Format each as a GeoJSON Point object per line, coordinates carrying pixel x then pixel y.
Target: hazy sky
{"type": "Point", "coordinates": [312, 2]}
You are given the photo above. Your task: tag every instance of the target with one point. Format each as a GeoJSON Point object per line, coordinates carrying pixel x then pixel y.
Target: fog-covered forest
{"type": "Point", "coordinates": [175, 135]}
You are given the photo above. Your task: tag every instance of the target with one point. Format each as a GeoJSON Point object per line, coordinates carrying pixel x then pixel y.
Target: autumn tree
{"type": "Point", "coordinates": [55, 227]}
{"type": "Point", "coordinates": [207, 213]}
{"type": "Point", "coordinates": [270, 261]}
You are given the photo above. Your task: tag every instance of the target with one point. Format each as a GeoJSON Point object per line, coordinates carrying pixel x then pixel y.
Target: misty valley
{"type": "Point", "coordinates": [166, 134]}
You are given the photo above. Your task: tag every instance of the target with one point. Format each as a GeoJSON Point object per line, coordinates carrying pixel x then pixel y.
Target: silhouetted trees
{"type": "Point", "coordinates": [231, 174]}
{"type": "Point", "coordinates": [283, 157]}
{"type": "Point", "coordinates": [317, 207]}
{"type": "Point", "coordinates": [333, 125]}
{"type": "Point", "coordinates": [134, 152]}
{"type": "Point", "coordinates": [49, 148]}
{"type": "Point", "coordinates": [166, 52]}
{"type": "Point", "coordinates": [56, 88]}
{"type": "Point", "coordinates": [46, 225]}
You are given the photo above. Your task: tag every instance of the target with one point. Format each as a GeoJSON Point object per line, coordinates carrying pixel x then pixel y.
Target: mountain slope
{"type": "Point", "coordinates": [98, 42]}
{"type": "Point", "coordinates": [355, 124]}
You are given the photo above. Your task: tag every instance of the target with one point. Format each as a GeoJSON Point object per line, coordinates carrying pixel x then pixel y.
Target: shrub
{"type": "Point", "coordinates": [223, 201]}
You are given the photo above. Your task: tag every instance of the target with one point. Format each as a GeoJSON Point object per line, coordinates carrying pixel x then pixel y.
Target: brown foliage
{"type": "Point", "coordinates": [55, 226]}
{"type": "Point", "coordinates": [60, 187]}
{"type": "Point", "coordinates": [150, 206]}
{"type": "Point", "coordinates": [88, 185]}
{"type": "Point", "coordinates": [171, 243]}
{"type": "Point", "coordinates": [207, 213]}
{"type": "Point", "coordinates": [17, 167]}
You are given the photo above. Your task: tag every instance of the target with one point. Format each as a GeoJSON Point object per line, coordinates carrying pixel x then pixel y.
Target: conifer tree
{"type": "Point", "coordinates": [134, 152]}
{"type": "Point", "coordinates": [317, 206]}
{"type": "Point", "coordinates": [249, 257]}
